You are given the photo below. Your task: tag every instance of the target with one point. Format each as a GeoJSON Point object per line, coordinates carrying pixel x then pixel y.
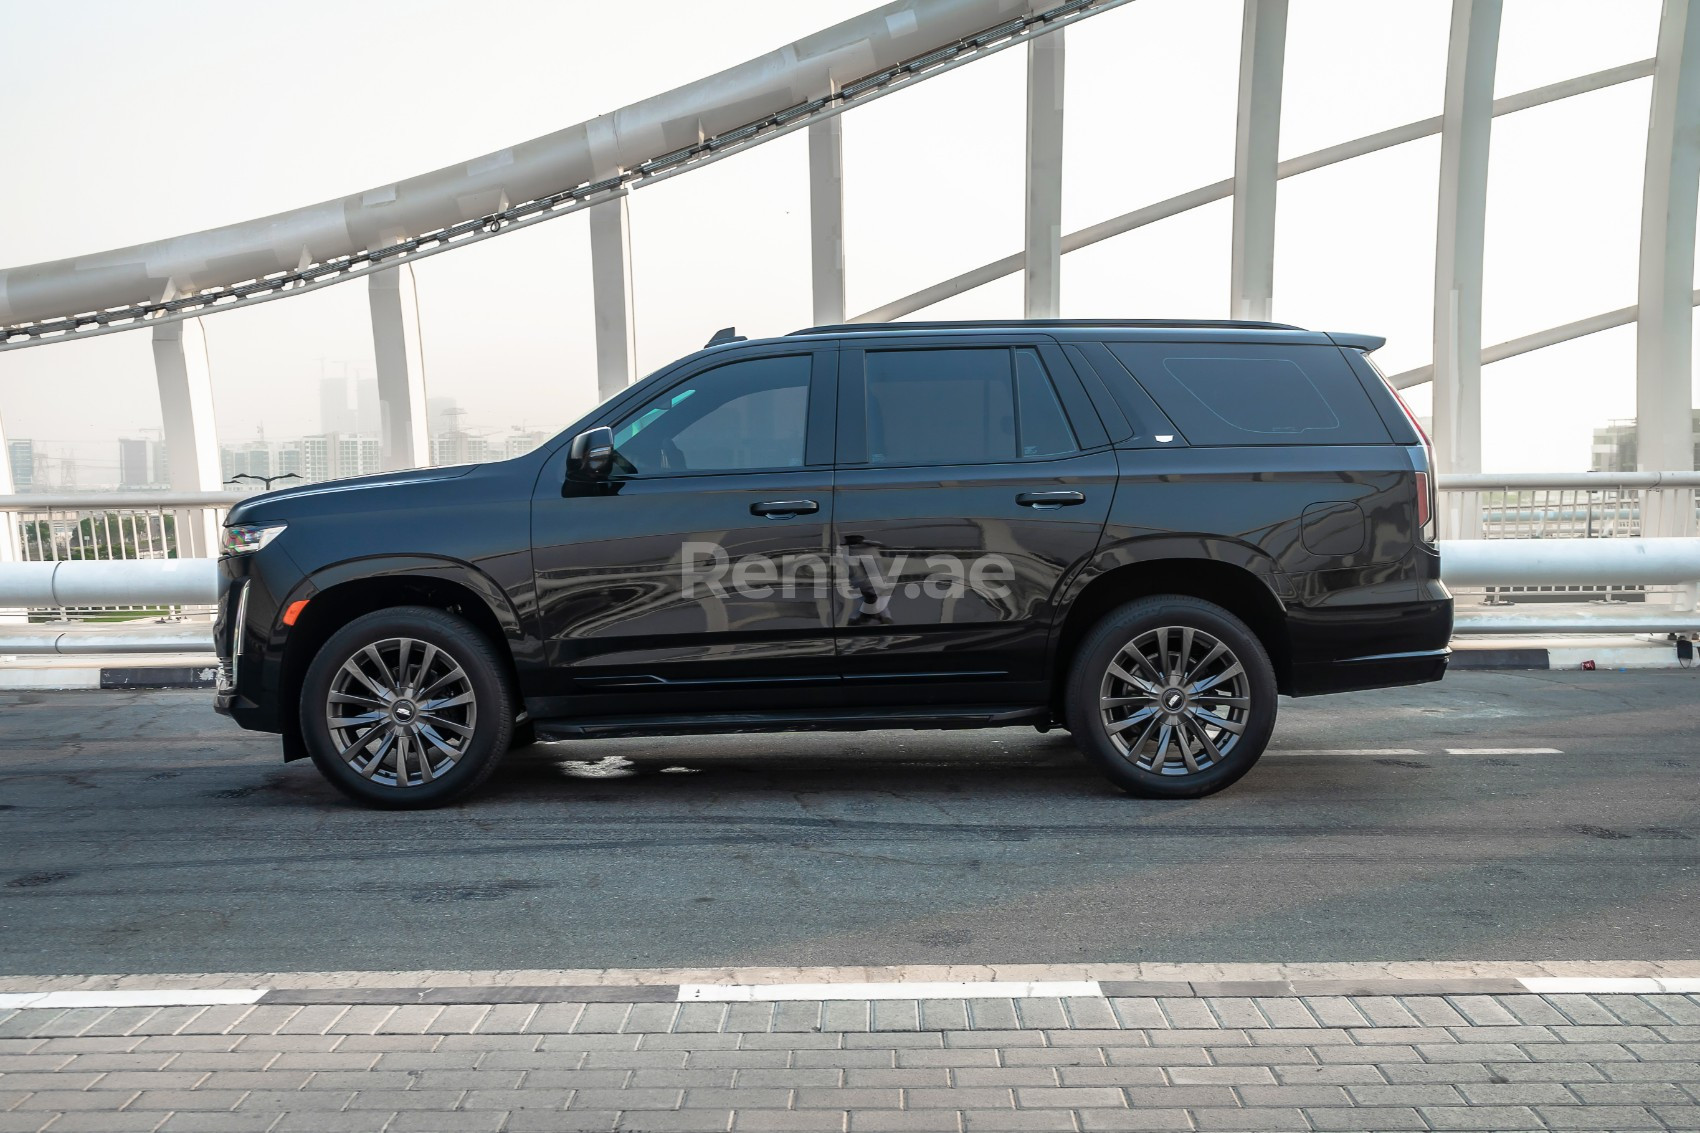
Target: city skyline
{"type": "Point", "coordinates": [346, 444]}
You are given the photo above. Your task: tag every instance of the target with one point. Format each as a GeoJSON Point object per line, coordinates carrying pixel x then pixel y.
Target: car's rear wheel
{"type": "Point", "coordinates": [1171, 697]}
{"type": "Point", "coordinates": [407, 707]}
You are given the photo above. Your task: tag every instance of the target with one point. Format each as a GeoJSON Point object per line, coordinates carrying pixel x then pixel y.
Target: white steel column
{"type": "Point", "coordinates": [826, 218]}
{"type": "Point", "coordinates": [9, 552]}
{"type": "Point", "coordinates": [191, 433]}
{"type": "Point", "coordinates": [1664, 403]}
{"type": "Point", "coordinates": [1043, 275]}
{"type": "Point", "coordinates": [400, 356]}
{"type": "Point", "coordinates": [1465, 128]}
{"type": "Point", "coordinates": [611, 284]}
{"type": "Point", "coordinates": [1263, 49]}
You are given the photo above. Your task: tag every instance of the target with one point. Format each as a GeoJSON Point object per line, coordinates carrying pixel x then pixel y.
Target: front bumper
{"type": "Point", "coordinates": [249, 656]}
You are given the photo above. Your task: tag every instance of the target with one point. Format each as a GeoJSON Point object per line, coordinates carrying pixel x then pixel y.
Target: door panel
{"type": "Point", "coordinates": [677, 587]}
{"type": "Point", "coordinates": [949, 574]}
{"type": "Point", "coordinates": [953, 566]}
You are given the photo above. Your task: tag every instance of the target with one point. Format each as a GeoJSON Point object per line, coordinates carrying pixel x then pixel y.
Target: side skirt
{"type": "Point", "coordinates": [800, 720]}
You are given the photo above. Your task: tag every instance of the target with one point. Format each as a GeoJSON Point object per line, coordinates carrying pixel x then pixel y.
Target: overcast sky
{"type": "Point", "coordinates": [133, 122]}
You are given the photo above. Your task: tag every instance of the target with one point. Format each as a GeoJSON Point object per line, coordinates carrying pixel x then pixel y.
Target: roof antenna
{"type": "Point", "coordinates": [725, 335]}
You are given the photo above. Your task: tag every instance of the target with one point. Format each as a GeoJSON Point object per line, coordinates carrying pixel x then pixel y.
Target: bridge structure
{"type": "Point", "coordinates": [168, 287]}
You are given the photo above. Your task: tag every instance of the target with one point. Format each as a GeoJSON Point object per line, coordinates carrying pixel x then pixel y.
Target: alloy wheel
{"type": "Point", "coordinates": [1175, 701]}
{"type": "Point", "coordinates": [401, 712]}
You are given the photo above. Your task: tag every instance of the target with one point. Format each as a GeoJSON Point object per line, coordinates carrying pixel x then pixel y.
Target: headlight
{"type": "Point", "coordinates": [246, 538]}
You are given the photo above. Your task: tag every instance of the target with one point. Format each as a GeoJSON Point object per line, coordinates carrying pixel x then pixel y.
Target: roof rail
{"type": "Point", "coordinates": [1016, 324]}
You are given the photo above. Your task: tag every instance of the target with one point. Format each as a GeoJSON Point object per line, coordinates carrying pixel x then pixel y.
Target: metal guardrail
{"type": "Point", "coordinates": [142, 583]}
{"type": "Point", "coordinates": [108, 527]}
{"type": "Point", "coordinates": [1573, 536]}
{"type": "Point", "coordinates": [1580, 505]}
{"type": "Point", "coordinates": [1647, 562]}
{"type": "Point", "coordinates": [129, 638]}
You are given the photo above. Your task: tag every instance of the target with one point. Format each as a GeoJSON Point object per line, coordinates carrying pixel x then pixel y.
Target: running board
{"type": "Point", "coordinates": [802, 720]}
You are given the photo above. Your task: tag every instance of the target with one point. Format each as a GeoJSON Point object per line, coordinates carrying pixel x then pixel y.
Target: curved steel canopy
{"type": "Point", "coordinates": [698, 122]}
{"type": "Point", "coordinates": [894, 42]}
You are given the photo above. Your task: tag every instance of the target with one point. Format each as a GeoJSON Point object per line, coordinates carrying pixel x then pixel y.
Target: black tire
{"type": "Point", "coordinates": [1225, 725]}
{"type": "Point", "coordinates": [443, 752]}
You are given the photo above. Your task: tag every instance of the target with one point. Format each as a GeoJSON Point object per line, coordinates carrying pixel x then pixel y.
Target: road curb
{"type": "Point", "coordinates": [21, 675]}
{"type": "Point", "coordinates": [838, 992]}
{"type": "Point", "coordinates": [636, 985]}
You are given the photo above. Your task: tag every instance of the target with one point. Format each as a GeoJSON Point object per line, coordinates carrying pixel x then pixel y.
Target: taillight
{"type": "Point", "coordinates": [1425, 478]}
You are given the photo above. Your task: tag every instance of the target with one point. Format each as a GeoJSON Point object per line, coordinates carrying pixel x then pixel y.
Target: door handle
{"type": "Point", "coordinates": [783, 509]}
{"type": "Point", "coordinates": [1050, 500]}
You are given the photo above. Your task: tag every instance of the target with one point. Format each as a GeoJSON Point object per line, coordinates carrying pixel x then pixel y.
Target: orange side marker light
{"type": "Point", "coordinates": [293, 611]}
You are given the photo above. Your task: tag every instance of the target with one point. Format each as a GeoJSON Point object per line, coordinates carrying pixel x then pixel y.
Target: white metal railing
{"type": "Point", "coordinates": [108, 527]}
{"type": "Point", "coordinates": [1574, 538]}
{"type": "Point", "coordinates": [1577, 505]}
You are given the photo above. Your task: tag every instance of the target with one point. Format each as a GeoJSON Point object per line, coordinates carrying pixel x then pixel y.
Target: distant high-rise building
{"type": "Point", "coordinates": [336, 415]}
{"type": "Point", "coordinates": [142, 464]}
{"type": "Point", "coordinates": [316, 457]}
{"type": "Point", "coordinates": [339, 413]}
{"type": "Point", "coordinates": [1615, 448]}
{"type": "Point", "coordinates": [358, 454]}
{"type": "Point", "coordinates": [459, 447]}
{"type": "Point", "coordinates": [522, 441]}
{"type": "Point", "coordinates": [20, 454]}
{"type": "Point", "coordinates": [260, 458]}
{"type": "Point", "coordinates": [368, 416]}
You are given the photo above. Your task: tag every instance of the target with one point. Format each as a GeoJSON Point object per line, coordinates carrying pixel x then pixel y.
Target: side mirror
{"type": "Point", "coordinates": [590, 456]}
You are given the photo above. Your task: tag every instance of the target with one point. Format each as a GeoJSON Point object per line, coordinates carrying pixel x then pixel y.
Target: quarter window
{"type": "Point", "coordinates": [1236, 394]}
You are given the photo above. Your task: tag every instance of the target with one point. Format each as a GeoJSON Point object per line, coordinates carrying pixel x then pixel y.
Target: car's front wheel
{"type": "Point", "coordinates": [1171, 697]}
{"type": "Point", "coordinates": [407, 707]}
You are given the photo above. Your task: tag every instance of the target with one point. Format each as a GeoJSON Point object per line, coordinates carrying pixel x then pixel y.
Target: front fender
{"type": "Point", "coordinates": [437, 567]}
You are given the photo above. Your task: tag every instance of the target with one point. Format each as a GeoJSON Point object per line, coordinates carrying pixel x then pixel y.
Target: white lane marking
{"type": "Point", "coordinates": [991, 989]}
{"type": "Point", "coordinates": [1597, 985]}
{"type": "Point", "coordinates": [1503, 751]}
{"type": "Point", "coordinates": [1414, 751]}
{"type": "Point", "coordinates": [1345, 751]}
{"type": "Point", "coordinates": [170, 997]}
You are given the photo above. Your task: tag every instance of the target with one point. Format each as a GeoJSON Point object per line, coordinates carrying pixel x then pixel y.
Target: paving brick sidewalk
{"type": "Point", "coordinates": [1490, 1062]}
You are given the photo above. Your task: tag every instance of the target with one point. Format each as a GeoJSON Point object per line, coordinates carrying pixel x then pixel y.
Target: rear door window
{"type": "Point", "coordinates": [940, 406]}
{"type": "Point", "coordinates": [976, 405]}
{"type": "Point", "coordinates": [1239, 394]}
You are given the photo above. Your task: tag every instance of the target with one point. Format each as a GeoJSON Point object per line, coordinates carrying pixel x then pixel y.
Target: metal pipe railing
{"type": "Point", "coordinates": [119, 501]}
{"type": "Point", "coordinates": [134, 637]}
{"type": "Point", "coordinates": [1537, 481]}
{"type": "Point", "coordinates": [109, 582]}
{"type": "Point", "coordinates": [1570, 562]}
{"type": "Point", "coordinates": [1485, 562]}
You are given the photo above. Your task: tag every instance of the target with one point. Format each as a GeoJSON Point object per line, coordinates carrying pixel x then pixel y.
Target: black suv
{"type": "Point", "coordinates": [1140, 531]}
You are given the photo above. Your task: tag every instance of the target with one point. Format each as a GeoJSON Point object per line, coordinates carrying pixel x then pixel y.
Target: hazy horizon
{"type": "Point", "coordinates": [933, 186]}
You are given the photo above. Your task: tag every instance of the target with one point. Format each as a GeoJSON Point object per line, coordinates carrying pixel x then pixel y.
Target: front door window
{"type": "Point", "coordinates": [740, 417]}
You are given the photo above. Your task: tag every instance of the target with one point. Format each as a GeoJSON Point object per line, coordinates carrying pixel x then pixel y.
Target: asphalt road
{"type": "Point", "coordinates": [142, 833]}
